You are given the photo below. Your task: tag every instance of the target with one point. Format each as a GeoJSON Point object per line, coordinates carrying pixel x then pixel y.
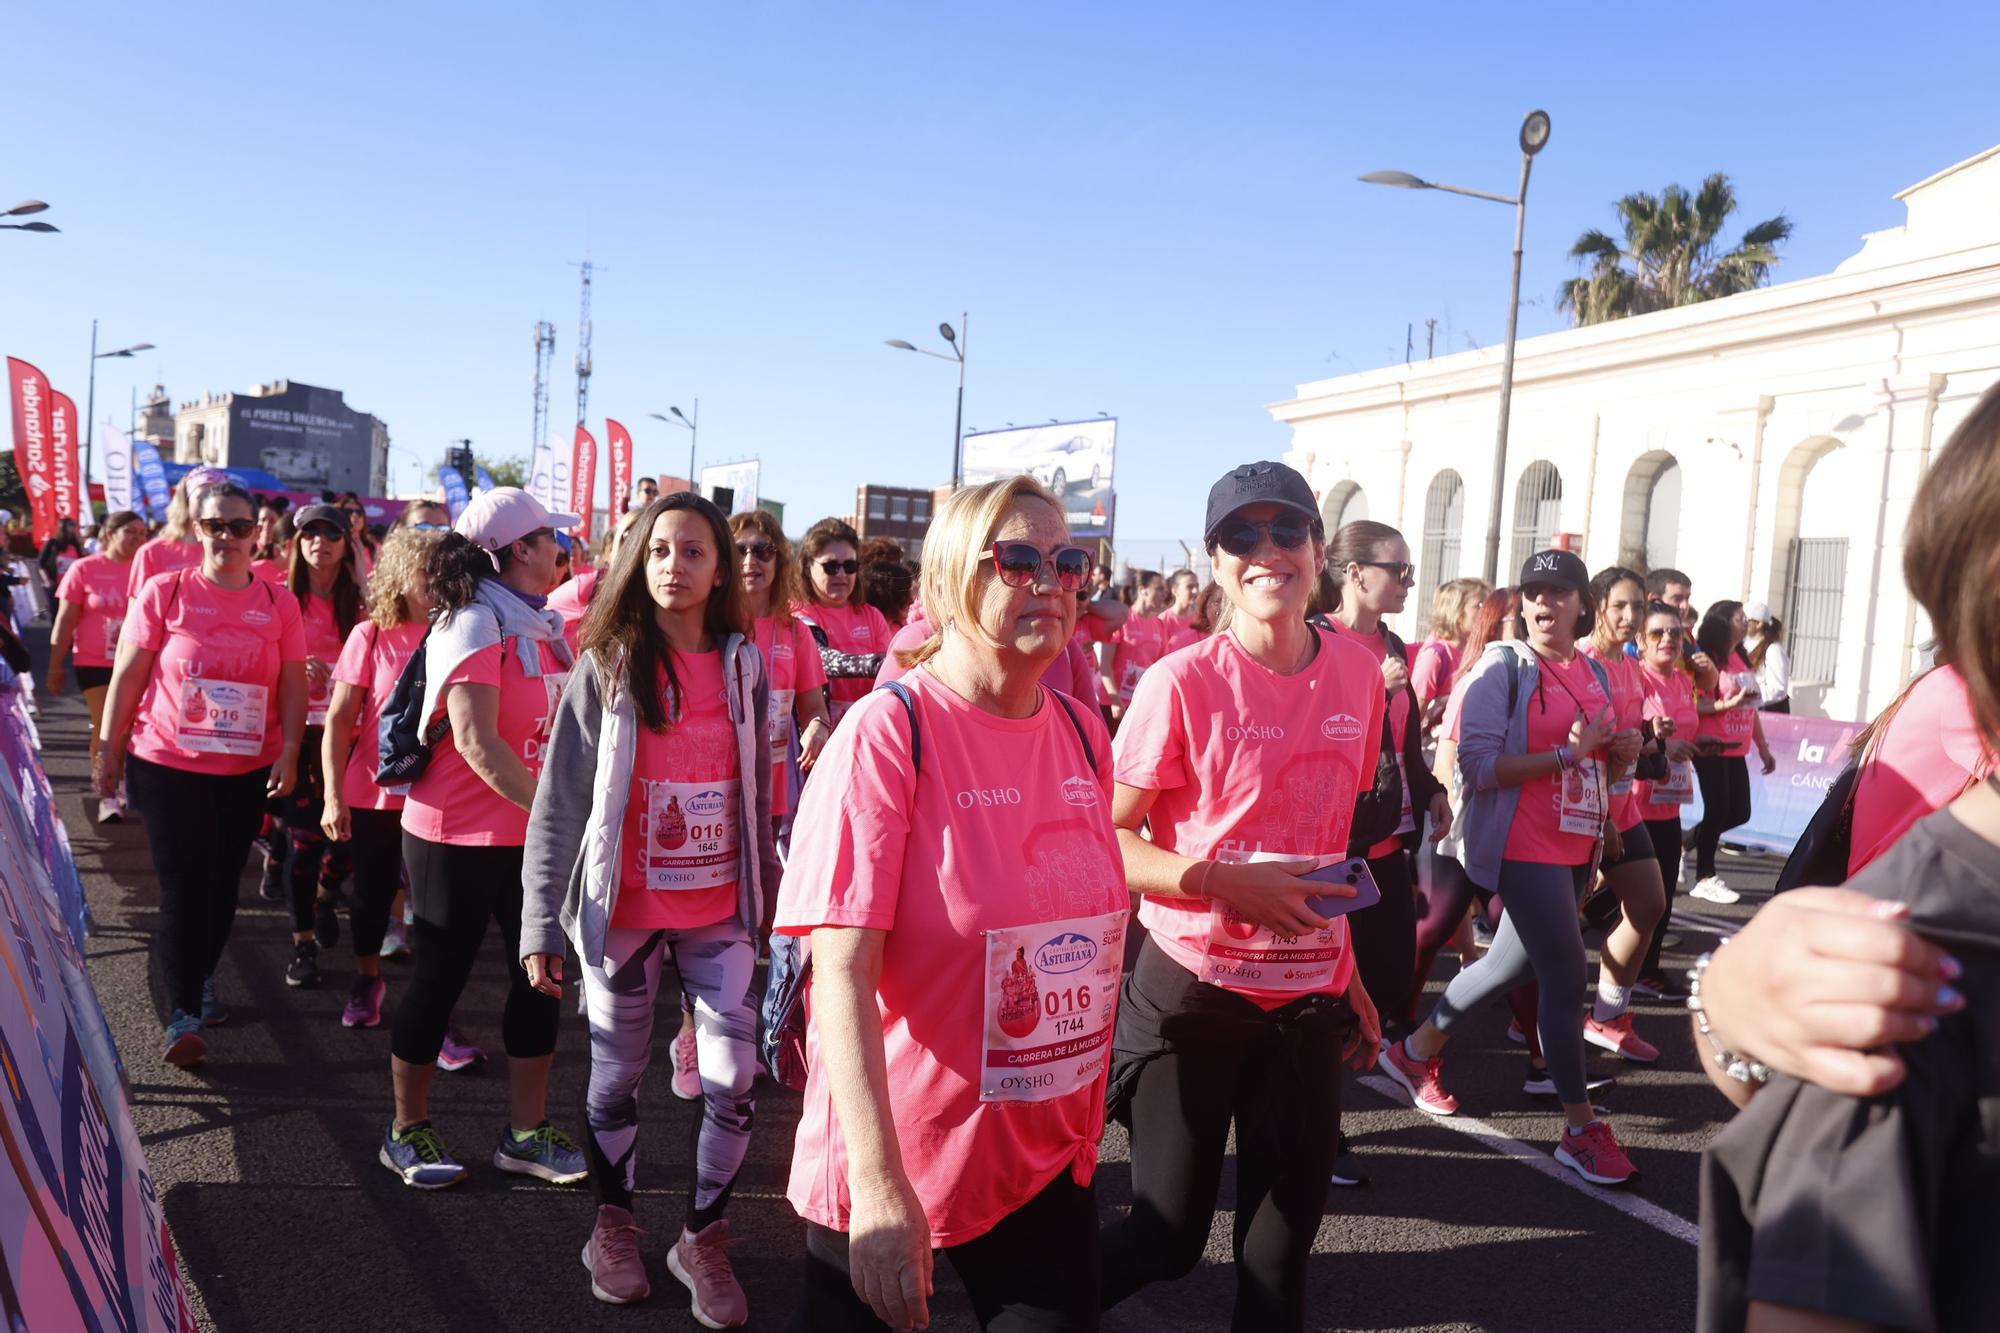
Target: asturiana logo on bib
{"type": "Point", "coordinates": [1067, 952]}
{"type": "Point", "coordinates": [1079, 791]}
{"type": "Point", "coordinates": [1341, 727]}
{"type": "Point", "coordinates": [706, 804]}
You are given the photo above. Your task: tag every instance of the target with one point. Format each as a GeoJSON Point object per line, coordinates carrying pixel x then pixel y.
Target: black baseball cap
{"type": "Point", "coordinates": [320, 513]}
{"type": "Point", "coordinates": [1561, 569]}
{"type": "Point", "coordinates": [1257, 483]}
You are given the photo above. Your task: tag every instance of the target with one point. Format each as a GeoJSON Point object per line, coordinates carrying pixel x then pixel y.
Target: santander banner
{"type": "Point", "coordinates": [584, 478]}
{"type": "Point", "coordinates": [620, 441]}
{"type": "Point", "coordinates": [29, 391]}
{"type": "Point", "coordinates": [65, 461]}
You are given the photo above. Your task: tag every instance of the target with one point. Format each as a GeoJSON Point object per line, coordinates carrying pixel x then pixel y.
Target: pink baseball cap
{"type": "Point", "coordinates": [502, 516]}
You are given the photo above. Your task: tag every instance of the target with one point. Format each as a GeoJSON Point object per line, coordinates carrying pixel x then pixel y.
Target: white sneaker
{"type": "Point", "coordinates": [110, 810]}
{"type": "Point", "coordinates": [1713, 890]}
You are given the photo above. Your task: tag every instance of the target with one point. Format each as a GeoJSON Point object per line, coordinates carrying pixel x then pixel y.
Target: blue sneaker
{"type": "Point", "coordinates": [185, 1047]}
{"type": "Point", "coordinates": [546, 1152]}
{"type": "Point", "coordinates": [418, 1155]}
{"type": "Point", "coordinates": [214, 1013]}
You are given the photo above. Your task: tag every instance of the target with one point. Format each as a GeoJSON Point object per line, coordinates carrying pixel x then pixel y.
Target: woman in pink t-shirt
{"type": "Point", "coordinates": [1729, 723]}
{"type": "Point", "coordinates": [856, 634]}
{"type": "Point", "coordinates": [1452, 611]}
{"type": "Point", "coordinates": [1919, 756]}
{"type": "Point", "coordinates": [177, 545]}
{"type": "Point", "coordinates": [1669, 707]}
{"type": "Point", "coordinates": [357, 811]}
{"type": "Point", "coordinates": [90, 611]}
{"type": "Point", "coordinates": [1243, 754]}
{"type": "Point", "coordinates": [962, 890]}
{"type": "Point", "coordinates": [1142, 640]}
{"type": "Point", "coordinates": [651, 838]}
{"type": "Point", "coordinates": [209, 694]}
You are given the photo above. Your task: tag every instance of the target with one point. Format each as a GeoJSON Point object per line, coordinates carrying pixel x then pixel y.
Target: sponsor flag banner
{"type": "Point", "coordinates": [1810, 752]}
{"type": "Point", "coordinates": [1073, 459]}
{"type": "Point", "coordinates": [584, 479]}
{"type": "Point", "coordinates": [455, 496]}
{"type": "Point", "coordinates": [117, 470]}
{"type": "Point", "coordinates": [28, 389]}
{"type": "Point", "coordinates": [66, 460]}
{"type": "Point", "coordinates": [152, 474]}
{"type": "Point", "coordinates": [484, 478]}
{"type": "Point", "coordinates": [619, 440]}
{"type": "Point", "coordinates": [540, 481]}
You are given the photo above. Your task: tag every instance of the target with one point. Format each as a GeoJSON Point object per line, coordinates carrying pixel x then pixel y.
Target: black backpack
{"type": "Point", "coordinates": [782, 1044]}
{"type": "Point", "coordinates": [1821, 854]}
{"type": "Point", "coordinates": [403, 742]}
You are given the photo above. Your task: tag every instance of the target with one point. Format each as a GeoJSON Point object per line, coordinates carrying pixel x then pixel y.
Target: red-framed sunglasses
{"type": "Point", "coordinates": [1020, 563]}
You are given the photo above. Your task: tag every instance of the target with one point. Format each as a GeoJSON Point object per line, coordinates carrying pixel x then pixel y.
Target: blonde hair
{"type": "Point", "coordinates": [1454, 598]}
{"type": "Point", "coordinates": [399, 571]}
{"type": "Point", "coordinates": [607, 546]}
{"type": "Point", "coordinates": [959, 534]}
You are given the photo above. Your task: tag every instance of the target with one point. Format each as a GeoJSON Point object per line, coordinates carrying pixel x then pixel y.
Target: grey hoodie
{"type": "Point", "coordinates": [570, 871]}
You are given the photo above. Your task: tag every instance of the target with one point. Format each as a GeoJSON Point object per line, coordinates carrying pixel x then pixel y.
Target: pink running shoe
{"type": "Point", "coordinates": [1422, 1079]}
{"type": "Point", "coordinates": [1594, 1154]}
{"type": "Point", "coordinates": [687, 1069]}
{"type": "Point", "coordinates": [1616, 1035]}
{"type": "Point", "coordinates": [364, 1003]}
{"type": "Point", "coordinates": [701, 1261]}
{"type": "Point", "coordinates": [617, 1274]}
{"type": "Point", "coordinates": [457, 1053]}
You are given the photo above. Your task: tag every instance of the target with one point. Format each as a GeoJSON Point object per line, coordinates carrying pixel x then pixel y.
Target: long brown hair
{"type": "Point", "coordinates": [820, 536]}
{"type": "Point", "coordinates": [620, 625]}
{"type": "Point", "coordinates": [785, 575]}
{"type": "Point", "coordinates": [1352, 543]}
{"type": "Point", "coordinates": [346, 597]}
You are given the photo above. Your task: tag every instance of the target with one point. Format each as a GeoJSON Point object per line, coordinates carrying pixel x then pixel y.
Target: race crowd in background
{"type": "Point", "coordinates": [984, 854]}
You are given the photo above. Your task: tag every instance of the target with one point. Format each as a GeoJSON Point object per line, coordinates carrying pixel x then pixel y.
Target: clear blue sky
{"type": "Point", "coordinates": [1149, 209]}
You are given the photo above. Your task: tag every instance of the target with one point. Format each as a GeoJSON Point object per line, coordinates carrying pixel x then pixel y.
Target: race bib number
{"type": "Point", "coordinates": [1580, 808]}
{"type": "Point", "coordinates": [1242, 955]}
{"type": "Point", "coordinates": [1678, 786]}
{"type": "Point", "coordinates": [112, 624]}
{"type": "Point", "coordinates": [1128, 680]}
{"type": "Point", "coordinates": [1408, 823]}
{"type": "Point", "coordinates": [778, 720]}
{"type": "Point", "coordinates": [691, 834]}
{"type": "Point", "coordinates": [318, 701]}
{"type": "Point", "coordinates": [221, 717]}
{"type": "Point", "coordinates": [1051, 1003]}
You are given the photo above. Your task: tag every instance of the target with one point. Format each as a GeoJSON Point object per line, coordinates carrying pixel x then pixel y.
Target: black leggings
{"type": "Point", "coordinates": [200, 827]}
{"type": "Point", "coordinates": [1725, 803]}
{"type": "Point", "coordinates": [377, 853]}
{"type": "Point", "coordinates": [310, 860]}
{"type": "Point", "coordinates": [1666, 836]}
{"type": "Point", "coordinates": [1385, 936]}
{"type": "Point", "coordinates": [455, 890]}
{"type": "Point", "coordinates": [1188, 1059]}
{"type": "Point", "coordinates": [1035, 1270]}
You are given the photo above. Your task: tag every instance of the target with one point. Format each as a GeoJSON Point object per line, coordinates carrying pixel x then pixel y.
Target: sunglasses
{"type": "Point", "coordinates": [1241, 536]}
{"type": "Point", "coordinates": [324, 530]}
{"type": "Point", "coordinates": [764, 552]}
{"type": "Point", "coordinates": [1402, 571]}
{"type": "Point", "coordinates": [239, 528]}
{"type": "Point", "coordinates": [1020, 564]}
{"type": "Point", "coordinates": [832, 567]}
{"type": "Point", "coordinates": [1658, 635]}
{"type": "Point", "coordinates": [428, 527]}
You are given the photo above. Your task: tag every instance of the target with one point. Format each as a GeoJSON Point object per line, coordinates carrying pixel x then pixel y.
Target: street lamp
{"type": "Point", "coordinates": [692, 424]}
{"type": "Point", "coordinates": [958, 355]}
{"type": "Point", "coordinates": [23, 209]}
{"type": "Point", "coordinates": [1534, 138]}
{"type": "Point", "coordinates": [90, 402]}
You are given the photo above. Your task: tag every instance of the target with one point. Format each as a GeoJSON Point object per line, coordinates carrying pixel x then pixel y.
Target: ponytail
{"type": "Point", "coordinates": [456, 567]}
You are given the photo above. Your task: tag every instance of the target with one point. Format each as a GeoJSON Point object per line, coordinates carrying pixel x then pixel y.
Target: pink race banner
{"type": "Point", "coordinates": [620, 442]}
{"type": "Point", "coordinates": [1811, 752]}
{"type": "Point", "coordinates": [65, 459]}
{"type": "Point", "coordinates": [584, 474]}
{"type": "Point", "coordinates": [29, 392]}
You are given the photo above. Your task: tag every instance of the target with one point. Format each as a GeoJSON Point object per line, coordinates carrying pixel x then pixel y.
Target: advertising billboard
{"type": "Point", "coordinates": [306, 436]}
{"type": "Point", "coordinates": [1071, 458]}
{"type": "Point", "coordinates": [732, 485]}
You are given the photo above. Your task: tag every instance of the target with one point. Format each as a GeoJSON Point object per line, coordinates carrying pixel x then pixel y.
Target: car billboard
{"type": "Point", "coordinates": [1072, 458]}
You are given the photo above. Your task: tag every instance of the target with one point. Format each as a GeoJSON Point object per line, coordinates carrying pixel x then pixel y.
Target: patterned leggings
{"type": "Point", "coordinates": [715, 964]}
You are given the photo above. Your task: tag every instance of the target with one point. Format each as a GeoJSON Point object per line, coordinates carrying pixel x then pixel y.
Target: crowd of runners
{"type": "Point", "coordinates": [983, 855]}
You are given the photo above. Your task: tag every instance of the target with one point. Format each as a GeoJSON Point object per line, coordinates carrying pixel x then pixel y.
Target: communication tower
{"type": "Point", "coordinates": [545, 351]}
{"type": "Point", "coordinates": [583, 346]}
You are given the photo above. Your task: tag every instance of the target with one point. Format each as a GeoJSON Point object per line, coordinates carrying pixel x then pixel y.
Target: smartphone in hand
{"type": "Point", "coordinates": [1352, 873]}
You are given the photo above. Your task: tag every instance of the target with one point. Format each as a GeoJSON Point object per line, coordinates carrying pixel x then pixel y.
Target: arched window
{"type": "Point", "coordinates": [1537, 513]}
{"type": "Point", "coordinates": [1443, 542]}
{"type": "Point", "coordinates": [1815, 487]}
{"type": "Point", "coordinates": [1343, 504]}
{"type": "Point", "coordinates": [1649, 525]}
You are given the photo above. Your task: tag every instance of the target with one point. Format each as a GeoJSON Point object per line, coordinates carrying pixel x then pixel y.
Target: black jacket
{"type": "Point", "coordinates": [1377, 811]}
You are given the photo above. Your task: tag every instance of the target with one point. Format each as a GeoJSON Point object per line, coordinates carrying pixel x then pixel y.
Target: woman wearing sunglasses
{"type": "Point", "coordinates": [1534, 738]}
{"type": "Point", "coordinates": [209, 695]}
{"type": "Point", "coordinates": [1729, 723]}
{"type": "Point", "coordinates": [853, 636]}
{"type": "Point", "coordinates": [961, 887]}
{"type": "Point", "coordinates": [1244, 753]}
{"type": "Point", "coordinates": [424, 516]}
{"type": "Point", "coordinates": [1669, 706]}
{"type": "Point", "coordinates": [90, 612]}
{"type": "Point", "coordinates": [177, 546]}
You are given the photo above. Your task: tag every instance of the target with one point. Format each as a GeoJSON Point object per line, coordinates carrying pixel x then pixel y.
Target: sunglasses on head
{"type": "Point", "coordinates": [832, 567]}
{"type": "Point", "coordinates": [429, 527]}
{"type": "Point", "coordinates": [238, 528]}
{"type": "Point", "coordinates": [761, 552]}
{"type": "Point", "coordinates": [1239, 536]}
{"type": "Point", "coordinates": [1019, 564]}
{"type": "Point", "coordinates": [1402, 571]}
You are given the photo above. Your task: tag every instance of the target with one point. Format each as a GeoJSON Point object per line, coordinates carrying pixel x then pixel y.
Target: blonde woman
{"type": "Point", "coordinates": [1431, 675]}
{"type": "Point", "coordinates": [177, 546]}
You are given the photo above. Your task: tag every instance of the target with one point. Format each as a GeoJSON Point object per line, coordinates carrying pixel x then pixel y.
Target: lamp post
{"type": "Point", "coordinates": [953, 340]}
{"type": "Point", "coordinates": [1534, 138]}
{"type": "Point", "coordinates": [23, 209]}
{"type": "Point", "coordinates": [692, 424]}
{"type": "Point", "coordinates": [90, 400]}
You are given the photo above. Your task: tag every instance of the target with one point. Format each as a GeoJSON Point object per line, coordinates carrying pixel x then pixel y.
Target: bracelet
{"type": "Point", "coordinates": [1565, 758]}
{"type": "Point", "coordinates": [1201, 885]}
{"type": "Point", "coordinates": [1734, 1066]}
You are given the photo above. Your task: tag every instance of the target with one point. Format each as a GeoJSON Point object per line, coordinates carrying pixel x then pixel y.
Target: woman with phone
{"type": "Point", "coordinates": [1244, 754]}
{"type": "Point", "coordinates": [1729, 722]}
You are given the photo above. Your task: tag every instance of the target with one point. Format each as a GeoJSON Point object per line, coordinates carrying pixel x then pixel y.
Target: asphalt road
{"type": "Point", "coordinates": [265, 1160]}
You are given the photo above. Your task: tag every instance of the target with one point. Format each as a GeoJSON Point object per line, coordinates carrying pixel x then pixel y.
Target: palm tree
{"type": "Point", "coordinates": [1669, 256]}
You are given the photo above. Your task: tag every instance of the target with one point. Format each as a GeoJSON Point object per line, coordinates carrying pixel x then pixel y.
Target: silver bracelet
{"type": "Point", "coordinates": [1734, 1066]}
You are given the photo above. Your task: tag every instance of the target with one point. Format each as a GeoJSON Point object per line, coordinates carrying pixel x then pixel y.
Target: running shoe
{"type": "Point", "coordinates": [1659, 988]}
{"type": "Point", "coordinates": [1539, 1084]}
{"type": "Point", "coordinates": [617, 1273]}
{"type": "Point", "coordinates": [326, 921]}
{"type": "Point", "coordinates": [364, 1003]}
{"type": "Point", "coordinates": [687, 1069]}
{"type": "Point", "coordinates": [1713, 890]}
{"type": "Point", "coordinates": [271, 886]}
{"type": "Point", "coordinates": [396, 941]}
{"type": "Point", "coordinates": [701, 1261]}
{"type": "Point", "coordinates": [303, 970]}
{"type": "Point", "coordinates": [185, 1046]}
{"type": "Point", "coordinates": [1348, 1172]}
{"type": "Point", "coordinates": [1593, 1153]}
{"type": "Point", "coordinates": [457, 1053]}
{"type": "Point", "coordinates": [1515, 1035]}
{"type": "Point", "coordinates": [1616, 1035]}
{"type": "Point", "coordinates": [1671, 940]}
{"type": "Point", "coordinates": [1422, 1079]}
{"type": "Point", "coordinates": [545, 1152]}
{"type": "Point", "coordinates": [214, 1013]}
{"type": "Point", "coordinates": [418, 1155]}
{"type": "Point", "coordinates": [110, 810]}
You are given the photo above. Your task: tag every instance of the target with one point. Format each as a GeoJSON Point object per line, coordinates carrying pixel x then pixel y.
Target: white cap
{"type": "Point", "coordinates": [1757, 611]}
{"type": "Point", "coordinates": [500, 517]}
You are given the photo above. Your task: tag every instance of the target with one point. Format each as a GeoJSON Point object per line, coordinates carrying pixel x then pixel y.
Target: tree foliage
{"type": "Point", "coordinates": [510, 471]}
{"type": "Point", "coordinates": [1671, 254]}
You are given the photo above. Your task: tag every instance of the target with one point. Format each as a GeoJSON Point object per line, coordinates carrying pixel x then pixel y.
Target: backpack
{"type": "Point", "coordinates": [781, 1045]}
{"type": "Point", "coordinates": [1823, 850]}
{"type": "Point", "coordinates": [403, 742]}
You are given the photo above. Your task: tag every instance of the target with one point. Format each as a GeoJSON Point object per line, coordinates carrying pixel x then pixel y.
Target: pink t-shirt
{"type": "Point", "coordinates": [1399, 716]}
{"type": "Point", "coordinates": [1738, 724]}
{"type": "Point", "coordinates": [271, 571]}
{"type": "Point", "coordinates": [372, 661]}
{"type": "Point", "coordinates": [1008, 829]}
{"type": "Point", "coordinates": [854, 628]}
{"type": "Point", "coordinates": [1140, 642]}
{"type": "Point", "coordinates": [793, 658]}
{"type": "Point", "coordinates": [1432, 672]}
{"type": "Point", "coordinates": [101, 586]}
{"type": "Point", "coordinates": [450, 803]}
{"type": "Point", "coordinates": [160, 556]}
{"type": "Point", "coordinates": [678, 847]}
{"type": "Point", "coordinates": [325, 642]}
{"type": "Point", "coordinates": [1563, 692]}
{"type": "Point", "coordinates": [1247, 761]}
{"type": "Point", "coordinates": [572, 599]}
{"type": "Point", "coordinates": [1668, 696]}
{"type": "Point", "coordinates": [1179, 632]}
{"type": "Point", "coordinates": [1927, 755]}
{"type": "Point", "coordinates": [1628, 702]}
{"type": "Point", "coordinates": [211, 705]}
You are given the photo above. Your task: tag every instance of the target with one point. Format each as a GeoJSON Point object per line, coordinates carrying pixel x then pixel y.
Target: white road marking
{"type": "Point", "coordinates": [1538, 1157]}
{"type": "Point", "coordinates": [1717, 924]}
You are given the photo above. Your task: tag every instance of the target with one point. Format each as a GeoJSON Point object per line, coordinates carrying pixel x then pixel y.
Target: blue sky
{"type": "Point", "coordinates": [1148, 210]}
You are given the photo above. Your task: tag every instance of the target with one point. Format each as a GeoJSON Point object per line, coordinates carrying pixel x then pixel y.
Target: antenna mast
{"type": "Point", "coordinates": [545, 351]}
{"type": "Point", "coordinates": [583, 346]}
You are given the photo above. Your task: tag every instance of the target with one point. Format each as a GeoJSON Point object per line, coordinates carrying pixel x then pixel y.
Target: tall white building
{"type": "Point", "coordinates": [1768, 444]}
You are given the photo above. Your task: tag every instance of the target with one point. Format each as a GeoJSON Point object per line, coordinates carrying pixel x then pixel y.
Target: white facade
{"type": "Point", "coordinates": [1740, 440]}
